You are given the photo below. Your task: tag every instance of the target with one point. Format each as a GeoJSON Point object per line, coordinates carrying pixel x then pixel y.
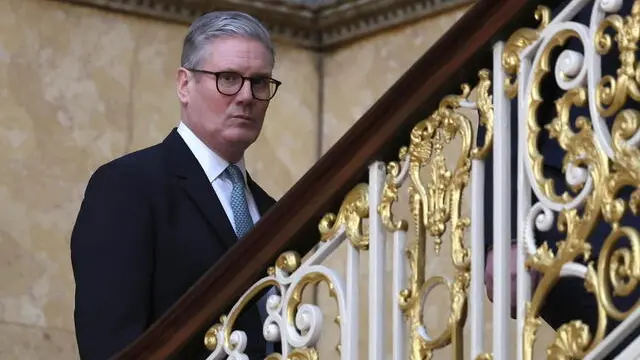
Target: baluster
{"type": "Point", "coordinates": [377, 234]}
{"type": "Point", "coordinates": [501, 211]}
{"type": "Point", "coordinates": [523, 204]}
{"type": "Point", "coordinates": [477, 262]}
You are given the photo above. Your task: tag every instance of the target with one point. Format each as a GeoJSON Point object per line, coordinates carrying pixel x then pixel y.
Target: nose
{"type": "Point", "coordinates": [245, 91]}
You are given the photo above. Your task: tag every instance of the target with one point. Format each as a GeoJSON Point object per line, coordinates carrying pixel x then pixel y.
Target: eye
{"type": "Point", "coordinates": [228, 77]}
{"type": "Point", "coordinates": [260, 82]}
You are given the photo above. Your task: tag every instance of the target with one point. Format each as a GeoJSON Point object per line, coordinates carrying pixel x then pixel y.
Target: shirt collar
{"type": "Point", "coordinates": [212, 164]}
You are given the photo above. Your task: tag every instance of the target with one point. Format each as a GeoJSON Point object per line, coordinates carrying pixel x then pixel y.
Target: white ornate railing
{"type": "Point", "coordinates": [415, 210]}
{"type": "Point", "coordinates": [597, 163]}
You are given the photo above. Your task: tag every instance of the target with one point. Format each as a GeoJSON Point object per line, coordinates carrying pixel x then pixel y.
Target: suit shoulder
{"type": "Point", "coordinates": [139, 165]}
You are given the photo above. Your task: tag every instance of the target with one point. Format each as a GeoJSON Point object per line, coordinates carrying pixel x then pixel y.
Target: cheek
{"type": "Point", "coordinates": [215, 106]}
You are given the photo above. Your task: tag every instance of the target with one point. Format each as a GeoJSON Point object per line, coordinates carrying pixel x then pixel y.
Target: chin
{"type": "Point", "coordinates": [243, 136]}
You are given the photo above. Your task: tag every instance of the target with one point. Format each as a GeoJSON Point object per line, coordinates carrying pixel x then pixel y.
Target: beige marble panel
{"type": "Point", "coordinates": [26, 342]}
{"type": "Point", "coordinates": [286, 149]}
{"type": "Point", "coordinates": [356, 76]}
{"type": "Point", "coordinates": [154, 107]}
{"type": "Point", "coordinates": [65, 78]}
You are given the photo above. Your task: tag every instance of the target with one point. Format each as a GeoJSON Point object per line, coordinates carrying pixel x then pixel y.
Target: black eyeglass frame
{"type": "Point", "coordinates": [244, 78]}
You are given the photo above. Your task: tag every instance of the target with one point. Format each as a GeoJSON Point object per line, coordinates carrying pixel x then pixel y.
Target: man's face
{"type": "Point", "coordinates": [226, 123]}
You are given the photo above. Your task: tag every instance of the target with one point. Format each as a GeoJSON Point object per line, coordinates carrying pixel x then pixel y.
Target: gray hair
{"type": "Point", "coordinates": [220, 24]}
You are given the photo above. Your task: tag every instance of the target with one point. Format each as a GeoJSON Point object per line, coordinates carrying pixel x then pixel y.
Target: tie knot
{"type": "Point", "coordinates": [235, 174]}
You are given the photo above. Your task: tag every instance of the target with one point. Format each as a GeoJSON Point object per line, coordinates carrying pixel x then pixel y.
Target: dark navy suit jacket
{"type": "Point", "coordinates": [149, 227]}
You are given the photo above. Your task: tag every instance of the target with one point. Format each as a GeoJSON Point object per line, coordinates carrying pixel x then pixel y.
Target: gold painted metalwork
{"type": "Point", "coordinates": [289, 261]}
{"type": "Point", "coordinates": [620, 267]}
{"type": "Point", "coordinates": [572, 340]}
{"type": "Point", "coordinates": [241, 305]}
{"type": "Point", "coordinates": [336, 321]}
{"type": "Point", "coordinates": [581, 151]}
{"type": "Point", "coordinates": [485, 110]}
{"type": "Point", "coordinates": [612, 93]}
{"type": "Point", "coordinates": [312, 278]}
{"type": "Point", "coordinates": [303, 354]}
{"type": "Point", "coordinates": [580, 146]}
{"type": "Point", "coordinates": [297, 354]}
{"type": "Point", "coordinates": [211, 336]}
{"type": "Point", "coordinates": [435, 204]}
{"type": "Point", "coordinates": [353, 210]}
{"type": "Point", "coordinates": [617, 271]}
{"type": "Point", "coordinates": [296, 295]}
{"type": "Point", "coordinates": [390, 196]}
{"type": "Point", "coordinates": [531, 325]}
{"type": "Point", "coordinates": [516, 43]}
{"type": "Point", "coordinates": [485, 356]}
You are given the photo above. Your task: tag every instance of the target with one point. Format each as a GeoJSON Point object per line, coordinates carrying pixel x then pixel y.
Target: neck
{"type": "Point", "coordinates": [230, 152]}
{"type": "Point", "coordinates": [232, 156]}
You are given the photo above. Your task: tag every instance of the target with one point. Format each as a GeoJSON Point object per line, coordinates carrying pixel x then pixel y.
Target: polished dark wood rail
{"type": "Point", "coordinates": [292, 223]}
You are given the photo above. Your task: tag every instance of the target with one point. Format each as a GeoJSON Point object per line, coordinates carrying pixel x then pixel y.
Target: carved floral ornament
{"type": "Point", "coordinates": [313, 24]}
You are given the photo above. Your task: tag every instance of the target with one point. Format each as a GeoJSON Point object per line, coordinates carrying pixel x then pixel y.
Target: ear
{"type": "Point", "coordinates": [183, 78]}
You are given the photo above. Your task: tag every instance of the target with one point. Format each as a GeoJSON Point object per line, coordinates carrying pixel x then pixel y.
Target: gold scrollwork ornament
{"type": "Point", "coordinates": [582, 151]}
{"type": "Point", "coordinates": [485, 110]}
{"type": "Point", "coordinates": [616, 267]}
{"type": "Point", "coordinates": [517, 42]}
{"type": "Point", "coordinates": [211, 336]}
{"type": "Point", "coordinates": [297, 354]}
{"type": "Point", "coordinates": [353, 210]}
{"type": "Point", "coordinates": [485, 356]}
{"type": "Point", "coordinates": [612, 92]}
{"type": "Point", "coordinates": [572, 340]}
{"type": "Point", "coordinates": [435, 205]}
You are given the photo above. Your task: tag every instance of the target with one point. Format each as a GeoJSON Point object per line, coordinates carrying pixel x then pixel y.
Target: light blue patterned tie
{"type": "Point", "coordinates": [244, 223]}
{"type": "Point", "coordinates": [241, 216]}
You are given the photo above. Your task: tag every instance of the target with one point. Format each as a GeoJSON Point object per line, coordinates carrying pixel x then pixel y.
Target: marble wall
{"type": "Point", "coordinates": [358, 75]}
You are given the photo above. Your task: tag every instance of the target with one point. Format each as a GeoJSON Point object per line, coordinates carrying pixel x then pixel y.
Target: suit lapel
{"type": "Point", "coordinates": [193, 180]}
{"type": "Point", "coordinates": [205, 198]}
{"type": "Point", "coordinates": [263, 200]}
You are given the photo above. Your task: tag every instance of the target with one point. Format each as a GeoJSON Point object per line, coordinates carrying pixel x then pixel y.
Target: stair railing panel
{"type": "Point", "coordinates": [596, 124]}
{"type": "Point", "coordinates": [436, 169]}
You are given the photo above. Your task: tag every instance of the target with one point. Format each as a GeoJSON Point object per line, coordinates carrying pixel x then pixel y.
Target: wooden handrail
{"type": "Point", "coordinates": [382, 130]}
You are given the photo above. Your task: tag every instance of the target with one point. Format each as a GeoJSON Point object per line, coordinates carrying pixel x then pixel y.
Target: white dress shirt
{"type": "Point", "coordinates": [214, 166]}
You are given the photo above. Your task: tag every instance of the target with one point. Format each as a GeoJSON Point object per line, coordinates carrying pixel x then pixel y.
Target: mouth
{"type": "Point", "coordinates": [243, 117]}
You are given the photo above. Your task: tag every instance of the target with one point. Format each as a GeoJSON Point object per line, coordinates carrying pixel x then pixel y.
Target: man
{"type": "Point", "coordinates": [568, 300]}
{"type": "Point", "coordinates": [152, 222]}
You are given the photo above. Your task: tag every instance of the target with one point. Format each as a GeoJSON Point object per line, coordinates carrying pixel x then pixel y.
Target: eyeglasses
{"type": "Point", "coordinates": [229, 83]}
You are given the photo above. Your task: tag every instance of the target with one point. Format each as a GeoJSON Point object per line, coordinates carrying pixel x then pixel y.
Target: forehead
{"type": "Point", "coordinates": [244, 55]}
